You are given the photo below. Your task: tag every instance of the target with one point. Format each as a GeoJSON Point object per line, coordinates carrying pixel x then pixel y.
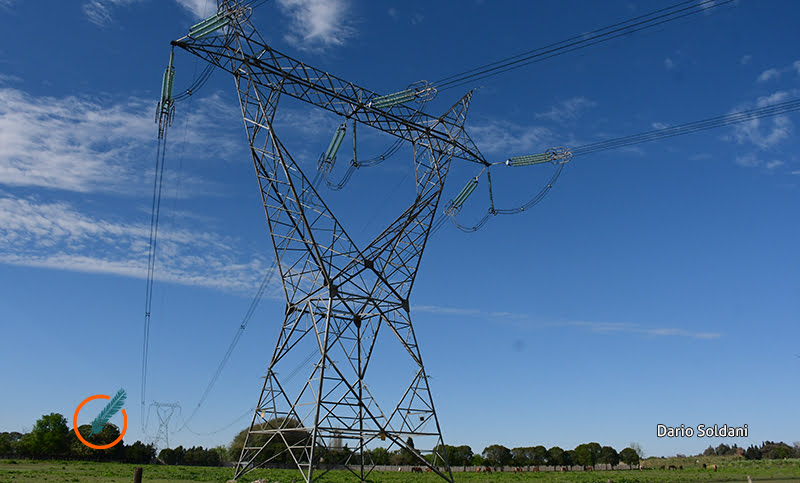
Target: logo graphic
{"type": "Point", "coordinates": [113, 407]}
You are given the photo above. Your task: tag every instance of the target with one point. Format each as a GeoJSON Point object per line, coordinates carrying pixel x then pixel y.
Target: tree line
{"type": "Point", "coordinates": [769, 450]}
{"type": "Point", "coordinates": [51, 438]}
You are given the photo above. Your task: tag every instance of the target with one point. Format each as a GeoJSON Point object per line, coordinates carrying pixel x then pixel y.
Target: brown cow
{"type": "Point", "coordinates": [535, 469]}
{"type": "Point", "coordinates": [715, 467]}
{"type": "Point", "coordinates": [588, 468]}
{"type": "Point", "coordinates": [518, 470]}
{"type": "Point", "coordinates": [672, 467]}
{"type": "Point", "coordinates": [416, 469]}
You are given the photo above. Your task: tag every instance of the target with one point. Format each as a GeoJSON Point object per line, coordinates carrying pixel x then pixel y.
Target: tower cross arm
{"type": "Point", "coordinates": [247, 55]}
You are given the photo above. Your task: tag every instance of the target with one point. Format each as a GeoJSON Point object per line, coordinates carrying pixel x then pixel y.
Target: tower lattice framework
{"type": "Point", "coordinates": [345, 305]}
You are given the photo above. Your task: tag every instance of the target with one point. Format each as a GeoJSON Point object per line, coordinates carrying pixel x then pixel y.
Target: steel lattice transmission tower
{"type": "Point", "coordinates": [164, 412]}
{"type": "Point", "coordinates": [344, 303]}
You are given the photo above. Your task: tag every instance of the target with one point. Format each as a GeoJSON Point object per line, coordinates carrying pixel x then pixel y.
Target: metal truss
{"type": "Point", "coordinates": [164, 412]}
{"type": "Point", "coordinates": [345, 306]}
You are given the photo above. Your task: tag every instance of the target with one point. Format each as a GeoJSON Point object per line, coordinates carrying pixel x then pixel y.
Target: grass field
{"type": "Point", "coordinates": [776, 471]}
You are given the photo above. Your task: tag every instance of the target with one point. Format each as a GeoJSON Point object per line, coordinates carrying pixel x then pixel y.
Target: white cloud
{"type": "Point", "coordinates": [748, 161]}
{"type": "Point", "coordinates": [766, 133]}
{"type": "Point", "coordinates": [774, 164]}
{"type": "Point", "coordinates": [659, 125]}
{"type": "Point", "coordinates": [56, 235]}
{"type": "Point", "coordinates": [568, 110]}
{"type": "Point", "coordinates": [99, 11]}
{"type": "Point", "coordinates": [506, 137]}
{"type": "Point", "coordinates": [199, 8]}
{"type": "Point", "coordinates": [600, 327]}
{"type": "Point", "coordinates": [796, 66]}
{"type": "Point", "coordinates": [669, 64]}
{"type": "Point", "coordinates": [796, 172]}
{"type": "Point", "coordinates": [316, 24]}
{"type": "Point", "coordinates": [77, 144]}
{"type": "Point", "coordinates": [768, 75]}
{"type": "Point", "coordinates": [745, 59]}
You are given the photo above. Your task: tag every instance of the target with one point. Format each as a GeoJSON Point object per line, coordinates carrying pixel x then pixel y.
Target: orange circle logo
{"type": "Point", "coordinates": [78, 433]}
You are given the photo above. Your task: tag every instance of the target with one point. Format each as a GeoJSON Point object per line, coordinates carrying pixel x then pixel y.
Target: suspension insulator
{"type": "Point", "coordinates": [167, 81]}
{"type": "Point", "coordinates": [464, 194]}
{"type": "Point", "coordinates": [529, 159]}
{"type": "Point", "coordinates": [393, 99]}
{"type": "Point", "coordinates": [336, 142]}
{"type": "Point", "coordinates": [209, 26]}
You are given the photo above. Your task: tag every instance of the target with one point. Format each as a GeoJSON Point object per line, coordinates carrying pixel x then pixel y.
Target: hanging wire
{"type": "Point", "coordinates": [158, 184]}
{"type": "Point", "coordinates": [605, 34]}
{"type": "Point", "coordinates": [776, 109]}
{"type": "Point", "coordinates": [242, 326]}
{"type": "Point", "coordinates": [690, 127]}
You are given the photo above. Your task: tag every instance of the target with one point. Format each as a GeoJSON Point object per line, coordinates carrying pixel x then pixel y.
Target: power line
{"type": "Point", "coordinates": [245, 320]}
{"type": "Point", "coordinates": [690, 127]}
{"type": "Point", "coordinates": [739, 117]}
{"type": "Point", "coordinates": [636, 24]}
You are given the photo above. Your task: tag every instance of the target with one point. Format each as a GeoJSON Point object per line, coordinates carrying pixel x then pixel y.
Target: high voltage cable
{"type": "Point", "coordinates": [245, 320]}
{"type": "Point", "coordinates": [636, 24]}
{"type": "Point", "coordinates": [690, 127]}
{"type": "Point", "coordinates": [158, 183]}
{"type": "Point", "coordinates": [645, 137]}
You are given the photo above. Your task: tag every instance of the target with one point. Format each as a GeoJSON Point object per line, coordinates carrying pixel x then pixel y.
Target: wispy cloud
{"type": "Point", "coordinates": [745, 59]}
{"type": "Point", "coordinates": [56, 235]}
{"type": "Point", "coordinates": [776, 73]}
{"type": "Point", "coordinates": [768, 75]}
{"type": "Point", "coordinates": [99, 11]}
{"type": "Point", "coordinates": [598, 327]}
{"type": "Point", "coordinates": [764, 134]}
{"type": "Point", "coordinates": [669, 64]}
{"type": "Point", "coordinates": [505, 137]}
{"type": "Point", "coordinates": [76, 144]}
{"type": "Point", "coordinates": [317, 24]}
{"type": "Point", "coordinates": [567, 111]}
{"type": "Point", "coordinates": [199, 8]}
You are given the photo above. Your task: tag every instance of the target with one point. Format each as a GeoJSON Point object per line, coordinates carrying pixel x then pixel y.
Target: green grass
{"type": "Point", "coordinates": [730, 469]}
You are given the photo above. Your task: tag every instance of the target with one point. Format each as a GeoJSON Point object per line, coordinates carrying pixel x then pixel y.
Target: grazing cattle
{"type": "Point", "coordinates": [672, 467]}
{"type": "Point", "coordinates": [680, 467]}
{"type": "Point", "coordinates": [428, 470]}
{"type": "Point", "coordinates": [715, 467]}
{"type": "Point", "coordinates": [486, 469]}
{"type": "Point", "coordinates": [704, 466]}
{"type": "Point", "coordinates": [416, 469]}
{"type": "Point", "coordinates": [518, 470]}
{"type": "Point", "coordinates": [588, 468]}
{"type": "Point", "coordinates": [564, 469]}
{"type": "Point", "coordinates": [661, 467]}
{"type": "Point", "coordinates": [535, 469]}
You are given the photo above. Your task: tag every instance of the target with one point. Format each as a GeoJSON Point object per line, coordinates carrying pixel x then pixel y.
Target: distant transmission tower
{"type": "Point", "coordinates": [164, 412]}
{"type": "Point", "coordinates": [346, 306]}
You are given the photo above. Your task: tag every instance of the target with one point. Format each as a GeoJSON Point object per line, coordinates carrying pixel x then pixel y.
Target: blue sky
{"type": "Point", "coordinates": [655, 284]}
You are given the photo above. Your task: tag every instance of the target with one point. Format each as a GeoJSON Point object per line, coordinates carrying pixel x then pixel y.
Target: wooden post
{"type": "Point", "coordinates": [137, 474]}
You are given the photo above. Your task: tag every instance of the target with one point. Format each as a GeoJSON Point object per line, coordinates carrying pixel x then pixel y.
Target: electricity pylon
{"type": "Point", "coordinates": [344, 303]}
{"type": "Point", "coordinates": [164, 412]}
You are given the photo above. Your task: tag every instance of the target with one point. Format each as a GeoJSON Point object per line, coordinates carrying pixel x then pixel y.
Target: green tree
{"type": "Point", "coordinates": [140, 453]}
{"type": "Point", "coordinates": [555, 456]}
{"type": "Point", "coordinates": [222, 452]}
{"type": "Point", "coordinates": [629, 456]}
{"type": "Point", "coordinates": [107, 435]}
{"type": "Point", "coordinates": [497, 455]}
{"type": "Point", "coordinates": [583, 455]}
{"type": "Point", "coordinates": [168, 456]}
{"type": "Point", "coordinates": [9, 443]}
{"type": "Point", "coordinates": [456, 455]}
{"type": "Point", "coordinates": [276, 451]}
{"type": "Point", "coordinates": [609, 456]}
{"type": "Point", "coordinates": [49, 437]}
{"type": "Point", "coordinates": [638, 448]}
{"type": "Point", "coordinates": [380, 456]}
